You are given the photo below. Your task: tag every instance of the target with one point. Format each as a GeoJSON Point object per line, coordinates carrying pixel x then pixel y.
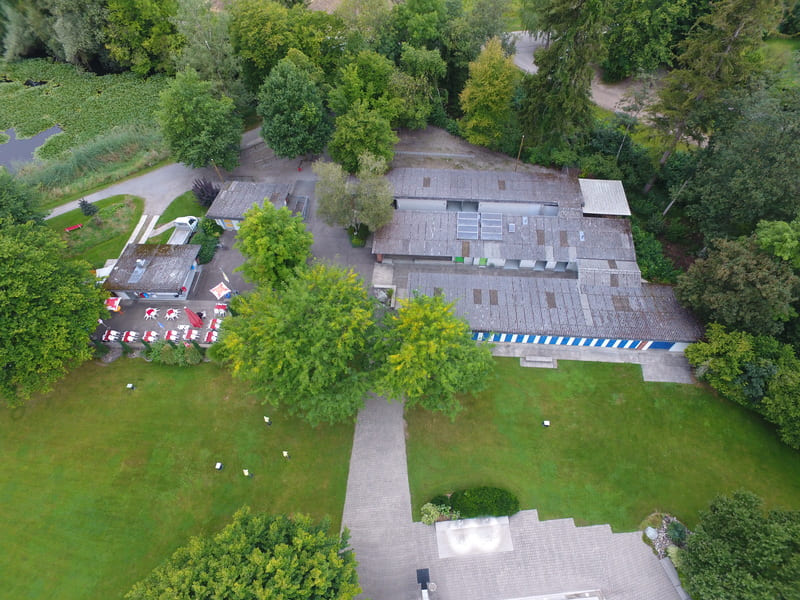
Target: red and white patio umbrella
{"type": "Point", "coordinates": [114, 304]}
{"type": "Point", "coordinates": [220, 290]}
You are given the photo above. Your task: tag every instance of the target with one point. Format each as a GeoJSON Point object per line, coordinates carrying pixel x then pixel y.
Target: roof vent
{"type": "Point", "coordinates": [512, 227]}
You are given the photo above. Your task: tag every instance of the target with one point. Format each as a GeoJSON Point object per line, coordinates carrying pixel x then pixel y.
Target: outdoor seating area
{"type": "Point", "coordinates": [199, 322]}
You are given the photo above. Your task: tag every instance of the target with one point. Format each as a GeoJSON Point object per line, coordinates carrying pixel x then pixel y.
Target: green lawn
{"type": "Point", "coordinates": [618, 448]}
{"type": "Point", "coordinates": [103, 235]}
{"type": "Point", "coordinates": [183, 206]}
{"type": "Point", "coordinates": [101, 484]}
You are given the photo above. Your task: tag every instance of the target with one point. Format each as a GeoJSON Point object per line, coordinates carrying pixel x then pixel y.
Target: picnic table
{"type": "Point", "coordinates": [215, 323]}
{"type": "Point", "coordinates": [171, 335]}
{"type": "Point", "coordinates": [220, 310]}
{"type": "Point", "coordinates": [172, 314]}
{"type": "Point", "coordinates": [150, 336]}
{"type": "Point", "coordinates": [191, 334]}
{"type": "Point", "coordinates": [210, 337]}
{"type": "Point", "coordinates": [110, 335]}
{"type": "Point", "coordinates": [130, 336]}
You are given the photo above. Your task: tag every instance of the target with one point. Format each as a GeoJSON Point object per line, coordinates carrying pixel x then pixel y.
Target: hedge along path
{"type": "Point", "coordinates": [84, 105]}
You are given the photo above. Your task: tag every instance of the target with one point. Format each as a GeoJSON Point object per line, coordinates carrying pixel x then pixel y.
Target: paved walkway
{"type": "Point", "coordinates": [377, 508]}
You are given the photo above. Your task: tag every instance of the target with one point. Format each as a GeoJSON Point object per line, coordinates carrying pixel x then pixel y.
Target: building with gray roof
{"type": "Point", "coordinates": [237, 197]}
{"type": "Point", "coordinates": [529, 257]}
{"type": "Point", "coordinates": [154, 271]}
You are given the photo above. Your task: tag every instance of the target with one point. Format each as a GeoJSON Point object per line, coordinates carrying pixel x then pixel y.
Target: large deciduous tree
{"type": "Point", "coordinates": [141, 35]}
{"type": "Point", "coordinates": [49, 305]}
{"type": "Point", "coordinates": [641, 35]}
{"type": "Point", "coordinates": [200, 129]}
{"type": "Point", "coordinates": [346, 202]}
{"type": "Point", "coordinates": [305, 347]}
{"type": "Point", "coordinates": [361, 131]}
{"type": "Point", "coordinates": [487, 98]}
{"type": "Point", "coordinates": [294, 121]}
{"type": "Point", "coordinates": [274, 243]}
{"type": "Point", "coordinates": [738, 551]}
{"type": "Point", "coordinates": [749, 170]}
{"type": "Point", "coordinates": [758, 372]}
{"type": "Point", "coordinates": [741, 287]}
{"type": "Point", "coordinates": [556, 104]}
{"type": "Point", "coordinates": [258, 556]}
{"type": "Point", "coordinates": [263, 32]}
{"type": "Point", "coordinates": [431, 356]}
{"type": "Point", "coordinates": [208, 49]}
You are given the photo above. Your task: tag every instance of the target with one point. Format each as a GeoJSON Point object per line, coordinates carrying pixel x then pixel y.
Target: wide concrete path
{"type": "Point", "coordinates": [377, 509]}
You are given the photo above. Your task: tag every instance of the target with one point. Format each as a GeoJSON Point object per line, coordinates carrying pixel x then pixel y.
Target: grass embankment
{"type": "Point", "coordinates": [184, 205]}
{"type": "Point", "coordinates": [101, 484]}
{"type": "Point", "coordinates": [618, 448]}
{"type": "Point", "coordinates": [107, 121]}
{"type": "Point", "coordinates": [104, 234]}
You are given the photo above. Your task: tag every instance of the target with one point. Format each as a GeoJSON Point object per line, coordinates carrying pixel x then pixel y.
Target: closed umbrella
{"type": "Point", "coordinates": [194, 319]}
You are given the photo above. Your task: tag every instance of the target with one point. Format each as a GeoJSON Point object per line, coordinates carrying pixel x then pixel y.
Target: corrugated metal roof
{"type": "Point", "coordinates": [237, 197]}
{"type": "Point", "coordinates": [604, 197]}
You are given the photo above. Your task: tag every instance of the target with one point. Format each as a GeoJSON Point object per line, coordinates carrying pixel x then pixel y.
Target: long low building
{"type": "Point", "coordinates": [529, 258]}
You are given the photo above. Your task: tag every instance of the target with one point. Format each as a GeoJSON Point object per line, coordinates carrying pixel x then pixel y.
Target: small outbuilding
{"type": "Point", "coordinates": [154, 271]}
{"type": "Point", "coordinates": [237, 197]}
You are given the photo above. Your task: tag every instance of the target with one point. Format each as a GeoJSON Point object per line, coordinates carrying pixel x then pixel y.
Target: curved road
{"type": "Point", "coordinates": [158, 187]}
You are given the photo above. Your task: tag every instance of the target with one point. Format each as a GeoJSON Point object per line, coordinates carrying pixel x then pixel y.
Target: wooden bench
{"type": "Point", "coordinates": [73, 227]}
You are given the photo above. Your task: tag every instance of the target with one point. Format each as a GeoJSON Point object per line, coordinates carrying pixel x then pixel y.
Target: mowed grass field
{"type": "Point", "coordinates": [618, 448]}
{"type": "Point", "coordinates": [100, 484]}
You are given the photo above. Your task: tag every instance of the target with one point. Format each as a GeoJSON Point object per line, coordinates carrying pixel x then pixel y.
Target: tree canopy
{"type": "Point", "coordinates": [487, 98]}
{"type": "Point", "coordinates": [49, 305]}
{"type": "Point", "coordinates": [749, 170]}
{"type": "Point", "coordinates": [741, 287]}
{"type": "Point", "coordinates": [200, 129]}
{"type": "Point", "coordinates": [294, 121]}
{"type": "Point", "coordinates": [557, 99]}
{"type": "Point", "coordinates": [738, 551]}
{"type": "Point", "coordinates": [758, 372]}
{"type": "Point", "coordinates": [18, 202]}
{"type": "Point", "coordinates": [141, 35]}
{"type": "Point", "coordinates": [274, 243]}
{"type": "Point", "coordinates": [720, 53]}
{"type": "Point", "coordinates": [208, 48]}
{"type": "Point", "coordinates": [306, 346]}
{"type": "Point", "coordinates": [431, 356]}
{"type": "Point", "coordinates": [263, 32]}
{"type": "Point", "coordinates": [258, 556]}
{"type": "Point", "coordinates": [361, 131]}
{"type": "Point", "coordinates": [346, 202]}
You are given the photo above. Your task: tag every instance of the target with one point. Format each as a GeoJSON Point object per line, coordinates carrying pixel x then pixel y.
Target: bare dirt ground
{"type": "Point", "coordinates": [436, 149]}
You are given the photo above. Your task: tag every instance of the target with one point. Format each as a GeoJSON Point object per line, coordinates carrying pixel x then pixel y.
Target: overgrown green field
{"type": "Point", "coordinates": [101, 484]}
{"type": "Point", "coordinates": [84, 105]}
{"type": "Point", "coordinates": [104, 234]}
{"type": "Point", "coordinates": [618, 449]}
